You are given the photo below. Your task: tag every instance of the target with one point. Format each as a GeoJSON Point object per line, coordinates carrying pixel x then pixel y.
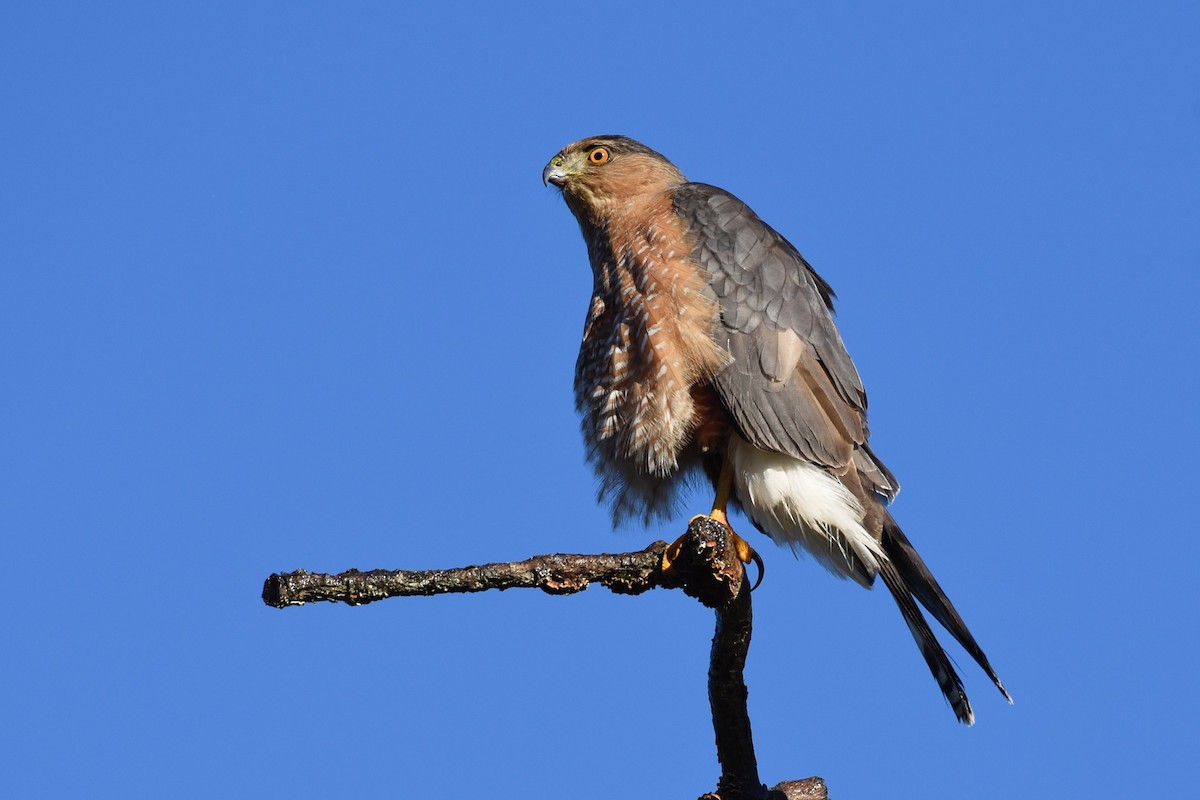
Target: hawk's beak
{"type": "Point", "coordinates": [555, 172]}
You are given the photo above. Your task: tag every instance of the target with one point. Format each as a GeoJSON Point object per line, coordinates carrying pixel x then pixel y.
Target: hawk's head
{"type": "Point", "coordinates": [600, 170]}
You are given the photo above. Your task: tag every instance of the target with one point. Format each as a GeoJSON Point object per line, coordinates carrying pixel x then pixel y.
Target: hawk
{"type": "Point", "coordinates": [710, 348]}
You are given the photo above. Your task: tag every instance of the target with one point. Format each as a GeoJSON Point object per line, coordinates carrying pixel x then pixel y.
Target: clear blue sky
{"type": "Point", "coordinates": [280, 287]}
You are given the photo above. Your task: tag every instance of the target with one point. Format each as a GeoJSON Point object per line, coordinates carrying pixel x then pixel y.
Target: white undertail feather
{"type": "Point", "coordinates": [799, 504]}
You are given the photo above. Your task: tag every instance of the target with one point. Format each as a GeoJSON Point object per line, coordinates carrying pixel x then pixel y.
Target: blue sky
{"type": "Point", "coordinates": [280, 287]}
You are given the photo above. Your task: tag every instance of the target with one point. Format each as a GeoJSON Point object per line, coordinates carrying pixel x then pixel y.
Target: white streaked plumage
{"type": "Point", "coordinates": [800, 505]}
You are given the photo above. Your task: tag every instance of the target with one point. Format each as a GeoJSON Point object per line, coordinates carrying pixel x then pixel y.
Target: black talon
{"type": "Point", "coordinates": [762, 569]}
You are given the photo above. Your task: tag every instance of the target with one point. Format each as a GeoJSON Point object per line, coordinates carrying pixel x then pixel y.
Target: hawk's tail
{"type": "Point", "coordinates": [906, 577]}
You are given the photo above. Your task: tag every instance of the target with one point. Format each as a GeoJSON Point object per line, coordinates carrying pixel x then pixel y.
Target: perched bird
{"type": "Point", "coordinates": [709, 347]}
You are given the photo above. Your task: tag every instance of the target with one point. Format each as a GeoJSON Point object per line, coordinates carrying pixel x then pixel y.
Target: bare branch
{"type": "Point", "coordinates": [624, 573]}
{"type": "Point", "coordinates": [706, 567]}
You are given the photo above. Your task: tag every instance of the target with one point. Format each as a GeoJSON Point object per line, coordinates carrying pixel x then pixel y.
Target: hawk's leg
{"type": "Point", "coordinates": [745, 553]}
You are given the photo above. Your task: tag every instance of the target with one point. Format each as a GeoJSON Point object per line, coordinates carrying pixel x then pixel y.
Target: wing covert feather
{"type": "Point", "coordinates": [791, 386]}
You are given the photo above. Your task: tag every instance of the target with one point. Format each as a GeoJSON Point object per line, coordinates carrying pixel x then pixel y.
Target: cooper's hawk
{"type": "Point", "coordinates": [710, 347]}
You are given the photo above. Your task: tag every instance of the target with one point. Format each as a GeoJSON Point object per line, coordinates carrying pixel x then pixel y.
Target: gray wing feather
{"type": "Point", "coordinates": [791, 386]}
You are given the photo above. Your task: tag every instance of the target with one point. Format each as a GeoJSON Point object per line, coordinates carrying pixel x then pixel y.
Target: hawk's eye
{"type": "Point", "coordinates": [598, 155]}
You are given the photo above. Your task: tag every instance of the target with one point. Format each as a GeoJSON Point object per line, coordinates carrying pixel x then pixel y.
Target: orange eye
{"type": "Point", "coordinates": [598, 155]}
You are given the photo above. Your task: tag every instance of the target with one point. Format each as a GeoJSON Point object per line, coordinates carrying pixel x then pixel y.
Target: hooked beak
{"type": "Point", "coordinates": [555, 172]}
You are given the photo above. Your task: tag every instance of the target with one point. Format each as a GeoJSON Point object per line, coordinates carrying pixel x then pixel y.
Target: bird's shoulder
{"type": "Point", "coordinates": [739, 249]}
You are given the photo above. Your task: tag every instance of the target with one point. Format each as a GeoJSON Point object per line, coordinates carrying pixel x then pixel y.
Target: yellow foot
{"type": "Point", "coordinates": [745, 553]}
{"type": "Point", "coordinates": [671, 553]}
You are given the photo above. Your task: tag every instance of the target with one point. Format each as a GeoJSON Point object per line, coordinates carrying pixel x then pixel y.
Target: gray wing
{"type": "Point", "coordinates": [791, 386]}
